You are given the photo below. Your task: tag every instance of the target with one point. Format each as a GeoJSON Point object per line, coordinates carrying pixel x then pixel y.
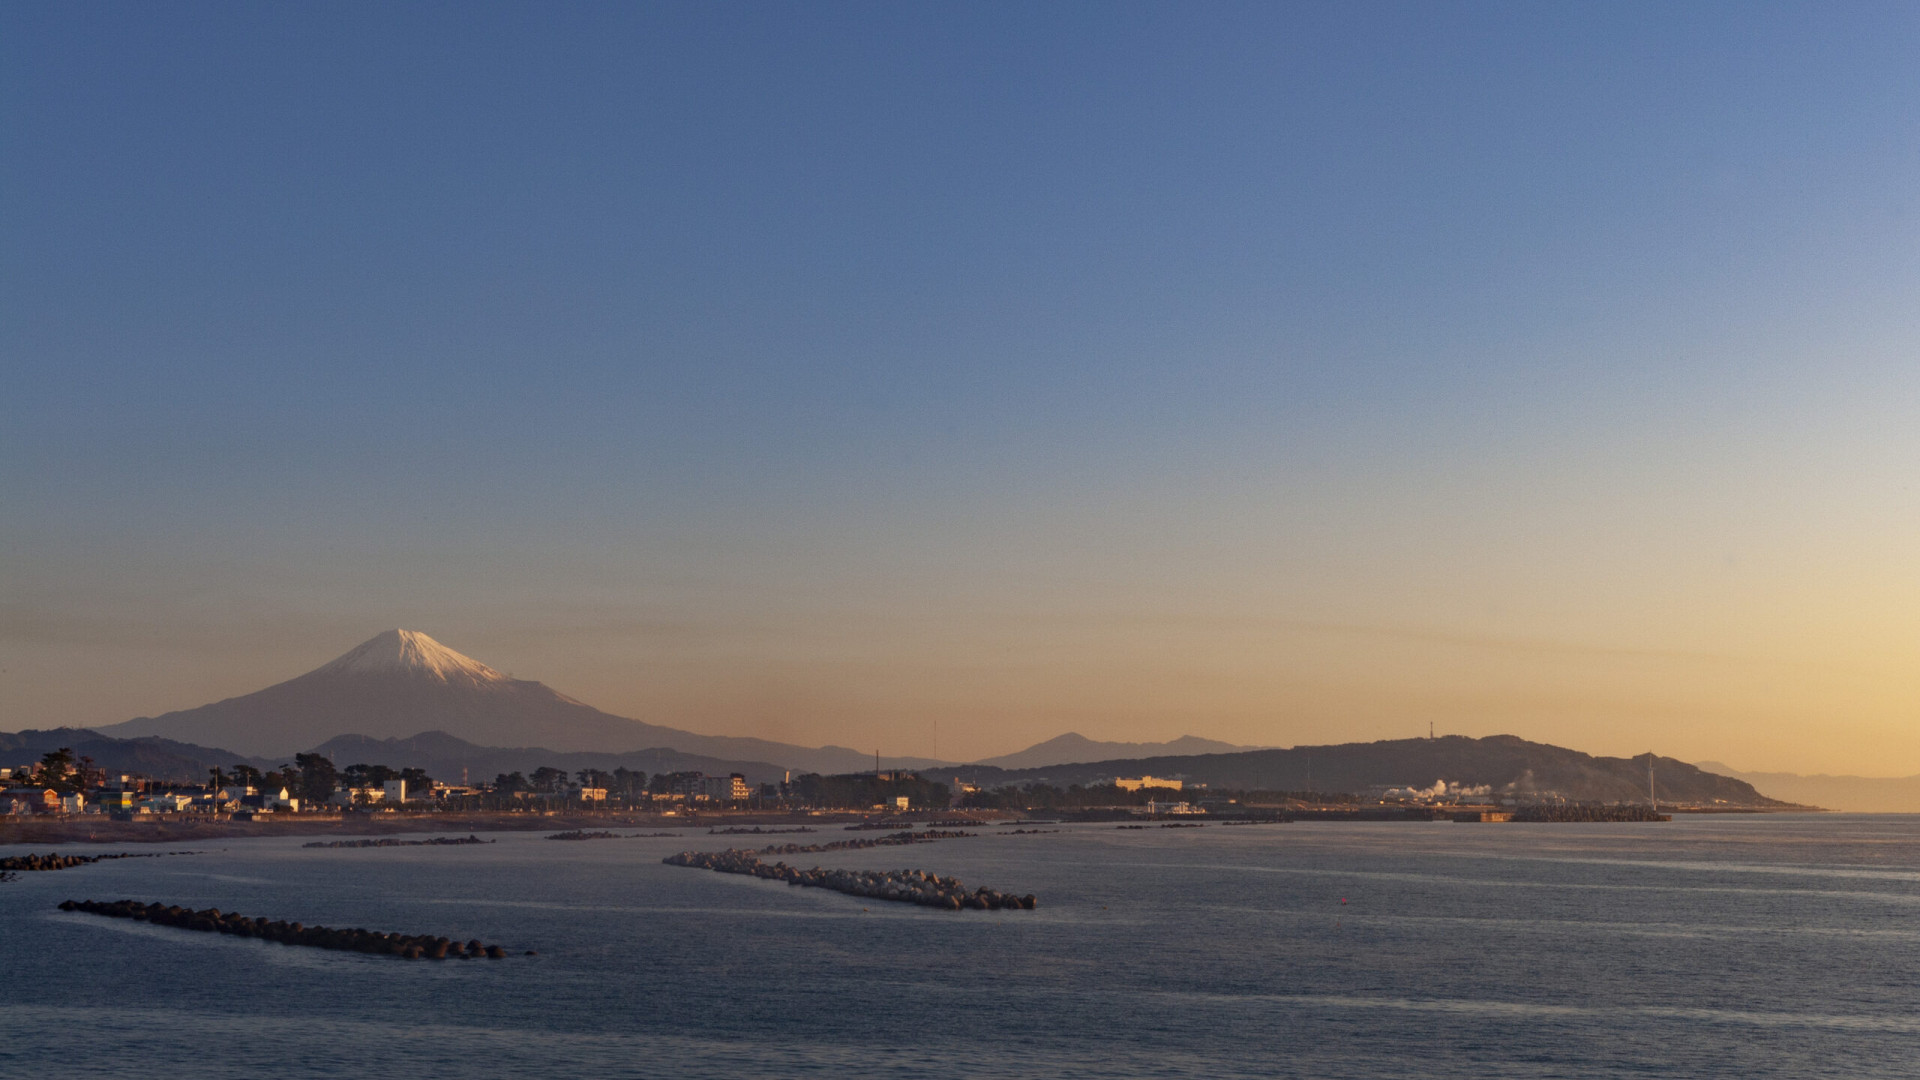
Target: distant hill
{"type": "Point", "coordinates": [401, 683]}
{"type": "Point", "coordinates": [1505, 764]}
{"type": "Point", "coordinates": [1075, 747]}
{"type": "Point", "coordinates": [1860, 794]}
{"type": "Point", "coordinates": [157, 758]}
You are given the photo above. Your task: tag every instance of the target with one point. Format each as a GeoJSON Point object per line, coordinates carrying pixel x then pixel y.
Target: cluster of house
{"type": "Point", "coordinates": [130, 795]}
{"type": "Point", "coordinates": [127, 795]}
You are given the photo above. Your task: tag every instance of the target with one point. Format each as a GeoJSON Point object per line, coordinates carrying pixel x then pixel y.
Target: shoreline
{"type": "Point", "coordinates": [167, 828]}
{"type": "Point", "coordinates": [178, 829]}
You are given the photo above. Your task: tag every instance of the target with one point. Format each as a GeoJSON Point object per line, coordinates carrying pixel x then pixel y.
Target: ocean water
{"type": "Point", "coordinates": [1764, 946]}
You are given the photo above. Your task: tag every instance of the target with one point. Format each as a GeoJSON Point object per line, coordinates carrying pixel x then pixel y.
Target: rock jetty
{"type": "Point", "coordinates": [1582, 812]}
{"type": "Point", "coordinates": [582, 834]}
{"type": "Point", "coordinates": [438, 841]}
{"type": "Point", "coordinates": [736, 830]}
{"type": "Point", "coordinates": [904, 886]}
{"type": "Point", "coordinates": [894, 840]}
{"type": "Point", "coordinates": [215, 921]}
{"type": "Point", "coordinates": [51, 861]}
{"type": "Point", "coordinates": [48, 861]}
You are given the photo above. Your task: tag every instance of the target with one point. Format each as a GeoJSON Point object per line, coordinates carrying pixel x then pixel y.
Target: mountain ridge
{"type": "Point", "coordinates": [1075, 748]}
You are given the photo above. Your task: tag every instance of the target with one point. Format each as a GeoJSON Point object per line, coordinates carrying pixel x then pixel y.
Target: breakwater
{"type": "Point", "coordinates": [438, 841]}
{"type": "Point", "coordinates": [215, 921]}
{"type": "Point", "coordinates": [894, 840]}
{"type": "Point", "coordinates": [735, 830]}
{"type": "Point", "coordinates": [903, 886]}
{"type": "Point", "coordinates": [1577, 812]}
{"type": "Point", "coordinates": [52, 861]}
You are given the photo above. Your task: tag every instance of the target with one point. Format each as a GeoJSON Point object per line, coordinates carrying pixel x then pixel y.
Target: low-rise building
{"type": "Point", "coordinates": [271, 799]}
{"type": "Point", "coordinates": [111, 801]}
{"type": "Point", "coordinates": [24, 800]}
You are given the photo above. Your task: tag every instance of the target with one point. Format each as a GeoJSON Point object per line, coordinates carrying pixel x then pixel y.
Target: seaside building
{"type": "Point", "coordinates": [29, 800]}
{"type": "Point", "coordinates": [729, 788]}
{"type": "Point", "coordinates": [271, 799]}
{"type": "Point", "coordinates": [113, 801]}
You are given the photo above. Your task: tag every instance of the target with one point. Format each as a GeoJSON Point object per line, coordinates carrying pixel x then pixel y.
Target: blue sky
{"type": "Point", "coordinates": [820, 371]}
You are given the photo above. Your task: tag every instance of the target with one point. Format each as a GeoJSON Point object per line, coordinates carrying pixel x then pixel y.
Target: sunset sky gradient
{"type": "Point", "coordinates": [835, 373]}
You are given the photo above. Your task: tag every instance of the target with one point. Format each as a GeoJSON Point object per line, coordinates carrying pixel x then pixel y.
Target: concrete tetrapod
{"type": "Point", "coordinates": [215, 921]}
{"type": "Point", "coordinates": [904, 886]}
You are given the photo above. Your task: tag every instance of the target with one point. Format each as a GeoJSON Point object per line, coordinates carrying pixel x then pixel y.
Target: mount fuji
{"type": "Point", "coordinates": [401, 683]}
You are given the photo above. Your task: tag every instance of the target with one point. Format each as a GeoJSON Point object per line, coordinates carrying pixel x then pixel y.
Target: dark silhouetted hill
{"type": "Point", "coordinates": [1505, 764]}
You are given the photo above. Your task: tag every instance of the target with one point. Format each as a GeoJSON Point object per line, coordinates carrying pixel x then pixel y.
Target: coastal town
{"type": "Point", "coordinates": [61, 787]}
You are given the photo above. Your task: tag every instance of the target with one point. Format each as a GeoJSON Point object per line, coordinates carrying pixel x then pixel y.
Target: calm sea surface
{"type": "Point", "coordinates": [1720, 946]}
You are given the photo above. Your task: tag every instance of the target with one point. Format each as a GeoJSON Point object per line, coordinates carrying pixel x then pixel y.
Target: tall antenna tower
{"type": "Point", "coordinates": [1652, 799]}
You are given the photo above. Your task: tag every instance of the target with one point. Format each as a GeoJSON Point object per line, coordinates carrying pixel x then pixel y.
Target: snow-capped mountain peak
{"type": "Point", "coordinates": [410, 652]}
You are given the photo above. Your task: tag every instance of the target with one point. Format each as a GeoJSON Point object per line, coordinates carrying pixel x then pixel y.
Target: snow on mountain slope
{"type": "Point", "coordinates": [413, 652]}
